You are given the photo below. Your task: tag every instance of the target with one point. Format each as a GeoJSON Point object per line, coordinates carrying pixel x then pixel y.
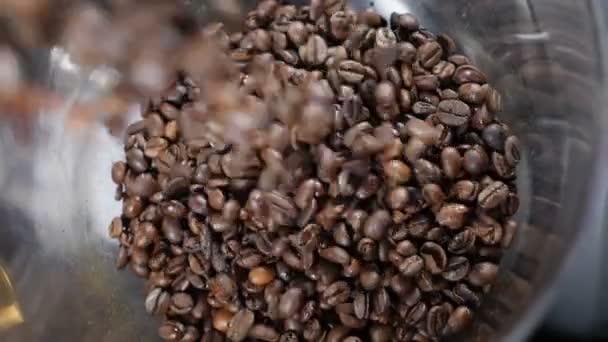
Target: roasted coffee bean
{"type": "Point", "coordinates": [451, 162]}
{"type": "Point", "coordinates": [261, 276]}
{"type": "Point", "coordinates": [426, 82]}
{"type": "Point", "coordinates": [411, 266]}
{"type": "Point", "coordinates": [171, 331]}
{"type": "Point", "coordinates": [240, 324]}
{"type": "Point", "coordinates": [404, 21]}
{"type": "Point", "coordinates": [462, 242]}
{"type": "Point", "coordinates": [433, 195]}
{"type": "Point", "coordinates": [222, 319]}
{"type": "Point", "coordinates": [429, 54]}
{"type": "Point", "coordinates": [423, 108]}
{"type": "Point", "coordinates": [453, 112]}
{"type": "Point", "coordinates": [291, 301]}
{"type": "Point", "coordinates": [369, 279]}
{"type": "Point", "coordinates": [476, 161]}
{"type": "Point", "coordinates": [512, 150]}
{"type": "Point", "coordinates": [376, 226]}
{"type": "Point", "coordinates": [119, 171]}
{"type": "Point", "coordinates": [452, 215]}
{"type": "Point", "coordinates": [335, 294]}
{"type": "Point", "coordinates": [336, 255]}
{"type": "Point", "coordinates": [493, 100]}
{"type": "Point", "coordinates": [351, 71]}
{"type": "Point", "coordinates": [132, 207]}
{"type": "Point", "coordinates": [465, 190]}
{"type": "Point", "coordinates": [472, 93]}
{"type": "Point", "coordinates": [457, 269]}
{"type": "Point", "coordinates": [437, 318]}
{"type": "Point", "coordinates": [264, 333]}
{"type": "Point", "coordinates": [468, 74]}
{"type": "Point", "coordinates": [397, 172]}
{"type": "Point", "coordinates": [493, 195]}
{"type": "Point", "coordinates": [494, 136]}
{"type": "Point", "coordinates": [422, 130]}
{"type": "Point", "coordinates": [435, 259]}
{"type": "Point", "coordinates": [459, 319]}
{"type": "Point", "coordinates": [314, 52]}
{"type": "Point", "coordinates": [416, 313]}
{"type": "Point", "coordinates": [427, 172]}
{"type": "Point", "coordinates": [482, 274]}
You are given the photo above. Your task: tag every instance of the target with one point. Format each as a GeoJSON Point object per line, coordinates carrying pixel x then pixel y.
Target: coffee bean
{"type": "Point", "coordinates": [494, 136]}
{"type": "Point", "coordinates": [427, 172]}
{"type": "Point", "coordinates": [483, 273]}
{"type": "Point", "coordinates": [263, 332]}
{"type": "Point", "coordinates": [132, 207]}
{"type": "Point", "coordinates": [171, 331]}
{"type": "Point", "coordinates": [435, 259]}
{"type": "Point", "coordinates": [397, 198]}
{"type": "Point", "coordinates": [291, 301]}
{"type": "Point", "coordinates": [119, 171]}
{"type": "Point", "coordinates": [376, 226]}
{"type": "Point", "coordinates": [465, 190]}
{"type": "Point", "coordinates": [152, 300]}
{"type": "Point", "coordinates": [416, 313]}
{"type": "Point", "coordinates": [453, 112]}
{"type": "Point", "coordinates": [462, 242]}
{"type": "Point", "coordinates": [426, 82]}
{"type": "Point", "coordinates": [385, 38]}
{"type": "Point", "coordinates": [468, 74]}
{"type": "Point", "coordinates": [240, 324]}
{"type": "Point", "coordinates": [457, 268]}
{"type": "Point", "coordinates": [261, 276]}
{"type": "Point", "coordinates": [451, 162]}
{"type": "Point", "coordinates": [221, 320]}
{"type": "Point", "coordinates": [472, 93]}
{"type": "Point", "coordinates": [411, 266]}
{"type": "Point", "coordinates": [422, 130]}
{"type": "Point", "coordinates": [493, 195]}
{"type": "Point", "coordinates": [452, 215]}
{"type": "Point", "coordinates": [493, 100]}
{"type": "Point", "coordinates": [351, 71]}
{"type": "Point", "coordinates": [475, 161]}
{"type": "Point", "coordinates": [433, 195]}
{"type": "Point", "coordinates": [437, 318]}
{"type": "Point", "coordinates": [397, 172]}
{"type": "Point", "coordinates": [423, 108]}
{"type": "Point", "coordinates": [315, 51]}
{"type": "Point", "coordinates": [369, 279]}
{"type": "Point", "coordinates": [459, 319]}
{"type": "Point", "coordinates": [429, 54]}
{"type": "Point", "coordinates": [512, 154]}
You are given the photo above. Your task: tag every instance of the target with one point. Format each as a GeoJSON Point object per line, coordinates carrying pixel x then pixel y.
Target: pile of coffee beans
{"type": "Point", "coordinates": [348, 181]}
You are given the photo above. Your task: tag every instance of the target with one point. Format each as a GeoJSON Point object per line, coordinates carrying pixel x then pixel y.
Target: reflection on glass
{"type": "Point", "coordinates": [10, 314]}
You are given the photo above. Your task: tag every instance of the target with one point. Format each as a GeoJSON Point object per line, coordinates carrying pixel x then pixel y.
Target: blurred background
{"type": "Point", "coordinates": [73, 72]}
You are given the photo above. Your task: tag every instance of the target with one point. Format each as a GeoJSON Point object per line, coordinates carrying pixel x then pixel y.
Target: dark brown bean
{"type": "Point", "coordinates": [376, 226]}
{"type": "Point", "coordinates": [493, 195]}
{"type": "Point", "coordinates": [429, 54]}
{"type": "Point", "coordinates": [452, 215]}
{"type": "Point", "coordinates": [291, 301]}
{"type": "Point", "coordinates": [240, 324]}
{"type": "Point", "coordinates": [483, 273]}
{"type": "Point", "coordinates": [411, 266]}
{"type": "Point", "coordinates": [453, 112]}
{"type": "Point", "coordinates": [435, 258]}
{"type": "Point", "coordinates": [468, 74]}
